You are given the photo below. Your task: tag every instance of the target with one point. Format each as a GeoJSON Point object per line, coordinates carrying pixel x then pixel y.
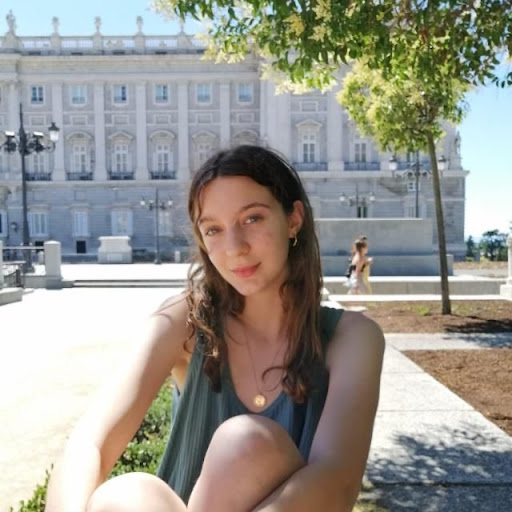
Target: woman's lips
{"type": "Point", "coordinates": [246, 271]}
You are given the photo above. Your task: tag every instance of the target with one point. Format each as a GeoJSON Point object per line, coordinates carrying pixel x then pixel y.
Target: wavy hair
{"type": "Point", "coordinates": [211, 299]}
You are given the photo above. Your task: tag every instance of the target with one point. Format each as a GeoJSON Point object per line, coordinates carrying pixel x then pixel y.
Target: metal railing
{"type": "Point", "coordinates": [362, 166]}
{"type": "Point", "coordinates": [79, 176]}
{"type": "Point", "coordinates": [14, 277]}
{"type": "Point", "coordinates": [163, 175]}
{"type": "Point", "coordinates": [310, 166]}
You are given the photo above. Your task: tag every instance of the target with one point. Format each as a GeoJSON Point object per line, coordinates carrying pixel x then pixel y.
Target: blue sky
{"type": "Point", "coordinates": [486, 132]}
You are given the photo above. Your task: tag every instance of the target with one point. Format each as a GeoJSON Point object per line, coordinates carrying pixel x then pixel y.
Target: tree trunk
{"type": "Point", "coordinates": [443, 260]}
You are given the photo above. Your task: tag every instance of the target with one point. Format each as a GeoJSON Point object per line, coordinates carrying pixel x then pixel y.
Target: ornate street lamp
{"type": "Point", "coordinates": [361, 202]}
{"type": "Point", "coordinates": [26, 143]}
{"type": "Point", "coordinates": [156, 205]}
{"type": "Point", "coordinates": [415, 171]}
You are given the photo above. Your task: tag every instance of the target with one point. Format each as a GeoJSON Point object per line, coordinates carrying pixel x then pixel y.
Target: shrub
{"type": "Point", "coordinates": [143, 453]}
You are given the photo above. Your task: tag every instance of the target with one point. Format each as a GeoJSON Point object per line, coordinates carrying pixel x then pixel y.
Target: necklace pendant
{"type": "Point", "coordinates": [259, 400]}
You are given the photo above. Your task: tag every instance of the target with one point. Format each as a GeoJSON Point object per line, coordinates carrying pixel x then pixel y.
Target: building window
{"type": "Point", "coordinates": [204, 151]}
{"type": "Point", "coordinates": [360, 152]}
{"type": "Point", "coordinates": [79, 160]}
{"type": "Point", "coordinates": [37, 94]}
{"type": "Point", "coordinates": [3, 223]}
{"type": "Point", "coordinates": [120, 94]}
{"type": "Point", "coordinates": [78, 94]}
{"type": "Point", "coordinates": [163, 157]}
{"type": "Point", "coordinates": [120, 157]}
{"type": "Point", "coordinates": [38, 163]}
{"type": "Point", "coordinates": [245, 93]}
{"type": "Point", "coordinates": [81, 247]}
{"type": "Point", "coordinates": [411, 186]}
{"type": "Point", "coordinates": [80, 223]}
{"type": "Point", "coordinates": [165, 223]}
{"type": "Point", "coordinates": [362, 212]}
{"type": "Point", "coordinates": [161, 93]}
{"type": "Point", "coordinates": [410, 211]}
{"type": "Point", "coordinates": [122, 222]}
{"type": "Point", "coordinates": [308, 148]}
{"type": "Point", "coordinates": [38, 223]}
{"type": "Point", "coordinates": [204, 93]}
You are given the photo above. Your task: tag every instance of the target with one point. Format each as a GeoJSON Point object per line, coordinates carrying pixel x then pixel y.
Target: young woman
{"type": "Point", "coordinates": [358, 282]}
{"type": "Point", "coordinates": [275, 396]}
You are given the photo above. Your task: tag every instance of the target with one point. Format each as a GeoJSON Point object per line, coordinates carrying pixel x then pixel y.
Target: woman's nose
{"type": "Point", "coordinates": [235, 241]}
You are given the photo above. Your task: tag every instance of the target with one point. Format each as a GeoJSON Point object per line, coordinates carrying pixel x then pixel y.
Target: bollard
{"type": "Point", "coordinates": [177, 256]}
{"type": "Point", "coordinates": [506, 289]}
{"type": "Point", "coordinates": [1, 264]}
{"type": "Point", "coordinates": [52, 259]}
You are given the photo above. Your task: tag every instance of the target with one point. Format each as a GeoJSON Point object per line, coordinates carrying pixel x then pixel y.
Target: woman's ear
{"type": "Point", "coordinates": [296, 218]}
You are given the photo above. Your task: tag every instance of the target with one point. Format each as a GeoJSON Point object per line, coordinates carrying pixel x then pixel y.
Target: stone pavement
{"type": "Point", "coordinates": [431, 451]}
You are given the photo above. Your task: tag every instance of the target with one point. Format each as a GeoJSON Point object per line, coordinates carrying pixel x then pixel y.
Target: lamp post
{"type": "Point", "coordinates": [25, 144]}
{"type": "Point", "coordinates": [156, 205]}
{"type": "Point", "coordinates": [359, 201]}
{"type": "Point", "coordinates": [415, 171]}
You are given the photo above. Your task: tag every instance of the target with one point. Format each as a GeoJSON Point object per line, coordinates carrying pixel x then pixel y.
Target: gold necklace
{"type": "Point", "coordinates": [260, 400]}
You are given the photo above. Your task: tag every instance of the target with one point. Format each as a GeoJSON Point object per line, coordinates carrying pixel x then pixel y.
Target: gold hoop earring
{"type": "Point", "coordinates": [294, 244]}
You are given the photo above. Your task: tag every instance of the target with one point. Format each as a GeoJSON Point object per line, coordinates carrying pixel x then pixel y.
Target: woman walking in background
{"type": "Point", "coordinates": [359, 269]}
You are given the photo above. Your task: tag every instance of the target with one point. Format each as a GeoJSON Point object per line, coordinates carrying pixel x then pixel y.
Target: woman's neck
{"type": "Point", "coordinates": [264, 317]}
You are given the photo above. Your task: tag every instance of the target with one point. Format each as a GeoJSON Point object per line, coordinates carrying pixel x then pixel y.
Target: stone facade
{"type": "Point", "coordinates": [140, 112]}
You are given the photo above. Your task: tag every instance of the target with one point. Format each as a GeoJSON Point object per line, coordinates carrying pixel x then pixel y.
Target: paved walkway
{"type": "Point", "coordinates": [431, 451]}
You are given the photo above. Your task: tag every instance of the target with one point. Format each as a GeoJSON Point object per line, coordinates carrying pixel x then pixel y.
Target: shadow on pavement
{"type": "Point", "coordinates": [463, 471]}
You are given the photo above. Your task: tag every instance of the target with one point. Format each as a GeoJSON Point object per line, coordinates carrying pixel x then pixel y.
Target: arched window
{"type": "Point", "coordinates": [121, 156]}
{"type": "Point", "coordinates": [79, 156]}
{"type": "Point", "coordinates": [163, 165]}
{"type": "Point", "coordinates": [308, 133]}
{"type": "Point", "coordinates": [204, 146]}
{"type": "Point", "coordinates": [245, 137]}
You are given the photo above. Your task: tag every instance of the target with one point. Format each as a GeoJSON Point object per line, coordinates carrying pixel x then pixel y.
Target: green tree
{"type": "Point", "coordinates": [471, 248]}
{"type": "Point", "coordinates": [402, 113]}
{"type": "Point", "coordinates": [494, 245]}
{"type": "Point", "coordinates": [307, 40]}
{"type": "Point", "coordinates": [430, 50]}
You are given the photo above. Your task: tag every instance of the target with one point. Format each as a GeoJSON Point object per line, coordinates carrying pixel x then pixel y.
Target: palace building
{"type": "Point", "coordinates": [138, 114]}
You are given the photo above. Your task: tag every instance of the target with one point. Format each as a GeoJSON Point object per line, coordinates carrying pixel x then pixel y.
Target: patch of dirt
{"type": "Point", "coordinates": [425, 316]}
{"type": "Point", "coordinates": [483, 378]}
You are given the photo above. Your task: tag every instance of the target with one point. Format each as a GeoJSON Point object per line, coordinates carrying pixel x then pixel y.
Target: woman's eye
{"type": "Point", "coordinates": [252, 219]}
{"type": "Point", "coordinates": [210, 231]}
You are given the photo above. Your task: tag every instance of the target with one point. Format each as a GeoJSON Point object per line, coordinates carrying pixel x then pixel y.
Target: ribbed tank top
{"type": "Point", "coordinates": [198, 411]}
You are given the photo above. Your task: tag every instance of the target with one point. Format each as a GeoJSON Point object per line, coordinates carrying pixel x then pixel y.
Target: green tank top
{"type": "Point", "coordinates": [198, 412]}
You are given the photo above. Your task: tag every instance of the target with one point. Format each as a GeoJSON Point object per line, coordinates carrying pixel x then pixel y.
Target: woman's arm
{"type": "Point", "coordinates": [332, 478]}
{"type": "Point", "coordinates": [102, 434]}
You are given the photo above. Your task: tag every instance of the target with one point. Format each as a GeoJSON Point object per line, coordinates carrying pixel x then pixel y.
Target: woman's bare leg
{"type": "Point", "coordinates": [249, 456]}
{"type": "Point", "coordinates": [135, 492]}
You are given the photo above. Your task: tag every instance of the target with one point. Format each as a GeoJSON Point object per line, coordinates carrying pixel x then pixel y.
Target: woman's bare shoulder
{"type": "Point", "coordinates": [354, 333]}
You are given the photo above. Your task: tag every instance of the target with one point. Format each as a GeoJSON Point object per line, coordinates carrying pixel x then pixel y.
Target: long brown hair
{"type": "Point", "coordinates": [211, 298]}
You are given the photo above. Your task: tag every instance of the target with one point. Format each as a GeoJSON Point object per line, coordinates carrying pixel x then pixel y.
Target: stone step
{"type": "Point", "coordinates": [132, 283]}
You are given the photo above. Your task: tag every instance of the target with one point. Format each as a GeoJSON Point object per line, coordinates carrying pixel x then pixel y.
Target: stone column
{"type": "Point", "coordinates": [141, 169]}
{"type": "Point", "coordinates": [100, 169]}
{"type": "Point", "coordinates": [225, 113]}
{"type": "Point", "coordinates": [506, 289]}
{"type": "Point", "coordinates": [263, 111]}
{"type": "Point", "coordinates": [183, 133]}
{"type": "Point", "coordinates": [279, 121]}
{"type": "Point", "coordinates": [334, 132]}
{"type": "Point", "coordinates": [13, 124]}
{"type": "Point", "coordinates": [59, 173]}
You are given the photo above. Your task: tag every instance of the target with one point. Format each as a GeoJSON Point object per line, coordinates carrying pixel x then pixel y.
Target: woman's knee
{"type": "Point", "coordinates": [133, 492]}
{"type": "Point", "coordinates": [254, 454]}
{"type": "Point", "coordinates": [255, 437]}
